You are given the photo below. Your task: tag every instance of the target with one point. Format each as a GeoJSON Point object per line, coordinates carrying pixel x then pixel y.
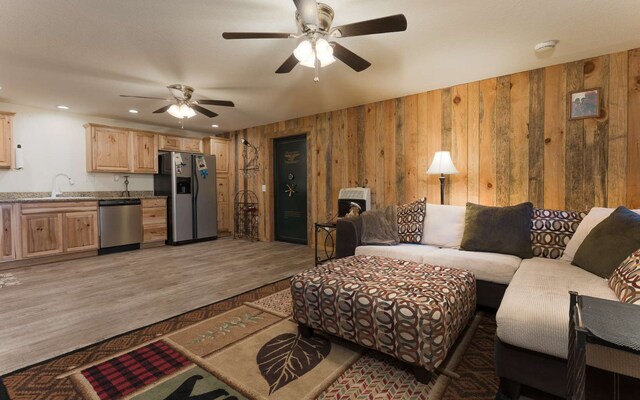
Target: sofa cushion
{"type": "Point", "coordinates": [403, 251]}
{"type": "Point", "coordinates": [625, 280]}
{"type": "Point", "coordinates": [411, 221]}
{"type": "Point", "coordinates": [443, 225]}
{"type": "Point", "coordinates": [593, 218]}
{"type": "Point", "coordinates": [551, 231]}
{"type": "Point", "coordinates": [505, 230]}
{"type": "Point", "coordinates": [609, 243]}
{"type": "Point", "coordinates": [534, 313]}
{"type": "Point", "coordinates": [491, 267]}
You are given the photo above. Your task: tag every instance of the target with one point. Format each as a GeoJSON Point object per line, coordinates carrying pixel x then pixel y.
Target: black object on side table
{"type": "Point", "coordinates": [602, 322]}
{"type": "Point", "coordinates": [327, 242]}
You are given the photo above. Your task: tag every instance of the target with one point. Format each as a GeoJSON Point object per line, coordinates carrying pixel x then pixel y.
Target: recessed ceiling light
{"type": "Point", "coordinates": [60, 107]}
{"type": "Point", "coordinates": [546, 46]}
{"type": "Point", "coordinates": [132, 111]}
{"type": "Point", "coordinates": [214, 126]}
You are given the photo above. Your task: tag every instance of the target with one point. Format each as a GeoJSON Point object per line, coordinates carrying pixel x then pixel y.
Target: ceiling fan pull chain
{"type": "Point", "coordinates": [316, 78]}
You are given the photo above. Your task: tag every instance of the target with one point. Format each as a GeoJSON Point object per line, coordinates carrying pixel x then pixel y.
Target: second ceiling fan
{"type": "Point", "coordinates": [317, 49]}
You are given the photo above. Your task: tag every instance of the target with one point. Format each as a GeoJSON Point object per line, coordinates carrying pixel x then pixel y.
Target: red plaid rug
{"type": "Point", "coordinates": [122, 375]}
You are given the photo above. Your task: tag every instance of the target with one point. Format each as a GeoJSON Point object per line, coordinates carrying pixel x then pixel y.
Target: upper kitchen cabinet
{"type": "Point", "coordinates": [170, 143]}
{"type": "Point", "coordinates": [176, 143]}
{"type": "Point", "coordinates": [108, 149]}
{"type": "Point", "coordinates": [145, 152]}
{"type": "Point", "coordinates": [218, 147]}
{"type": "Point", "coordinates": [6, 139]}
{"type": "Point", "coordinates": [192, 145]}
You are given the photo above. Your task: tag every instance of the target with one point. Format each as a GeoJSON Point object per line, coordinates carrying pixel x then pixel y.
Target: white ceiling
{"type": "Point", "coordinates": [84, 53]}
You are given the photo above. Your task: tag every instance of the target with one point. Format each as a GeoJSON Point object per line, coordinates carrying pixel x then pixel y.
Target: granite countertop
{"type": "Point", "coordinates": [36, 197]}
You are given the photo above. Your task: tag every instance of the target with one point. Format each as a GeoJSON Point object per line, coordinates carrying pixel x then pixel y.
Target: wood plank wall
{"type": "Point", "coordinates": [510, 138]}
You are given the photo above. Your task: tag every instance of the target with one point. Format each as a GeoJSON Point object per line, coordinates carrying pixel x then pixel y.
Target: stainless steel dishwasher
{"type": "Point", "coordinates": [120, 225]}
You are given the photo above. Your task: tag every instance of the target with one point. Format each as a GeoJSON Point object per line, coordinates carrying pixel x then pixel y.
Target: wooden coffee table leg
{"type": "Point", "coordinates": [422, 375]}
{"type": "Point", "coordinates": [305, 331]}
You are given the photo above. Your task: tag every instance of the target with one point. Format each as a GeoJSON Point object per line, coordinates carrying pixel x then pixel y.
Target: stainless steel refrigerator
{"type": "Point", "coordinates": [189, 182]}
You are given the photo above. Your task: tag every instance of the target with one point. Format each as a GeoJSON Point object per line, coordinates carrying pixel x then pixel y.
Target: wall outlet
{"type": "Point", "coordinates": [264, 188]}
{"type": "Point", "coordinates": [116, 177]}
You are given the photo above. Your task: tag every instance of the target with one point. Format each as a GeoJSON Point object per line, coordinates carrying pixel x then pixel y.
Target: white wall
{"type": "Point", "coordinates": [54, 142]}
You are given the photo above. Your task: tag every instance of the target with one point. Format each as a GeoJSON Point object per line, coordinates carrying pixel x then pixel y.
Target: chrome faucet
{"type": "Point", "coordinates": [57, 192]}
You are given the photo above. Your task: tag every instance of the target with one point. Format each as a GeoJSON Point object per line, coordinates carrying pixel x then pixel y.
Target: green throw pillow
{"type": "Point", "coordinates": [609, 243]}
{"type": "Point", "coordinates": [505, 230]}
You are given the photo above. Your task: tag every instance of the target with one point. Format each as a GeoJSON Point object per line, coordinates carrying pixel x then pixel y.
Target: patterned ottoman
{"type": "Point", "coordinates": [413, 312]}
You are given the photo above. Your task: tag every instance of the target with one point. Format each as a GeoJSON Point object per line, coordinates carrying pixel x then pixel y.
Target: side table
{"type": "Point", "coordinates": [603, 322]}
{"type": "Point", "coordinates": [327, 242]}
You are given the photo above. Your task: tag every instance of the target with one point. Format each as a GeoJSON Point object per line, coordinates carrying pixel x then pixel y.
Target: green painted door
{"type": "Point", "coordinates": [290, 166]}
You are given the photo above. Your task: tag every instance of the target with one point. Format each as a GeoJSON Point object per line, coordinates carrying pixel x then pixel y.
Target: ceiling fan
{"type": "Point", "coordinates": [182, 105]}
{"type": "Point", "coordinates": [314, 21]}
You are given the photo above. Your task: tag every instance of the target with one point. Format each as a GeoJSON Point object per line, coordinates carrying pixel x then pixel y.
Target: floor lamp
{"type": "Point", "coordinates": [442, 164]}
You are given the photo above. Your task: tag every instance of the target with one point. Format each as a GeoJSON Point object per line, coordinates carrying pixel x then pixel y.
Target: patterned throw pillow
{"type": "Point", "coordinates": [411, 221]}
{"type": "Point", "coordinates": [625, 280]}
{"type": "Point", "coordinates": [551, 230]}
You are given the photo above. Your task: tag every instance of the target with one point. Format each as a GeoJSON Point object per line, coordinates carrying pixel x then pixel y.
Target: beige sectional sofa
{"type": "Point", "coordinates": [531, 295]}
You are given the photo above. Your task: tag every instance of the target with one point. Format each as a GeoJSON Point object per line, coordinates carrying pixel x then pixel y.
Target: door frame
{"type": "Point", "coordinates": [269, 209]}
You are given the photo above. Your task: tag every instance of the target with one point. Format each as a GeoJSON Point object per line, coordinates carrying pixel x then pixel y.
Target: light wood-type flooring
{"type": "Point", "coordinates": [64, 306]}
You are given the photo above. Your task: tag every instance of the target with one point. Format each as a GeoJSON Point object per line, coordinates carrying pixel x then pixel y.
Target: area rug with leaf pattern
{"type": "Point", "coordinates": [251, 351]}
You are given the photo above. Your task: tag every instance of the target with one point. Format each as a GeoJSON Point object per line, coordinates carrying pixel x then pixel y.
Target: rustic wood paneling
{"type": "Point", "coordinates": [633, 151]}
{"type": "Point", "coordinates": [510, 138]}
{"type": "Point", "coordinates": [555, 98]}
{"type": "Point", "coordinates": [536, 137]}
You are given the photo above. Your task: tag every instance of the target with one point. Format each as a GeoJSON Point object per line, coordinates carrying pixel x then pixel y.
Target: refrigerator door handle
{"type": "Point", "coordinates": [196, 189]}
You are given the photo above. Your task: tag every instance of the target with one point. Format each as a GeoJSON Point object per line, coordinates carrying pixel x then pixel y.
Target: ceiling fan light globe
{"type": "Point", "coordinates": [323, 49]}
{"type": "Point", "coordinates": [186, 111]}
{"type": "Point", "coordinates": [304, 51]}
{"type": "Point", "coordinates": [326, 60]}
{"type": "Point", "coordinates": [174, 111]}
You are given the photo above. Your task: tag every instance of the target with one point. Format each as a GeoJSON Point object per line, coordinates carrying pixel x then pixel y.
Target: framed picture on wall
{"type": "Point", "coordinates": [584, 104]}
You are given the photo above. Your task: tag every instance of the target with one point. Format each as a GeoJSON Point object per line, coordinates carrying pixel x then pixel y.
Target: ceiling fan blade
{"type": "Point", "coordinates": [393, 23]}
{"type": "Point", "coordinates": [256, 35]}
{"type": "Point", "coordinates": [308, 10]}
{"type": "Point", "coordinates": [223, 103]}
{"type": "Point", "coordinates": [145, 97]}
{"type": "Point", "coordinates": [163, 109]}
{"type": "Point", "coordinates": [204, 111]}
{"type": "Point", "coordinates": [350, 58]}
{"type": "Point", "coordinates": [288, 65]}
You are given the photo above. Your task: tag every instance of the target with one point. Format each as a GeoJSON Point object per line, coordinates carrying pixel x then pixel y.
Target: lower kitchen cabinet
{"type": "Point", "coordinates": [154, 220]}
{"type": "Point", "coordinates": [80, 231]}
{"type": "Point", "coordinates": [42, 235]}
{"type": "Point", "coordinates": [54, 228]}
{"type": "Point", "coordinates": [7, 236]}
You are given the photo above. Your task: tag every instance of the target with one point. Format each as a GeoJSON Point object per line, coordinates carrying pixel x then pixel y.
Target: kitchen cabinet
{"type": "Point", "coordinates": [145, 152]}
{"type": "Point", "coordinates": [218, 147]}
{"type": "Point", "coordinates": [222, 189]}
{"type": "Point", "coordinates": [7, 233]}
{"type": "Point", "coordinates": [154, 220]}
{"type": "Point", "coordinates": [170, 143]}
{"type": "Point", "coordinates": [6, 140]}
{"type": "Point", "coordinates": [176, 143]}
{"type": "Point", "coordinates": [108, 149]}
{"type": "Point", "coordinates": [80, 231]}
{"type": "Point", "coordinates": [192, 145]}
{"type": "Point", "coordinates": [42, 235]}
{"type": "Point", "coordinates": [55, 228]}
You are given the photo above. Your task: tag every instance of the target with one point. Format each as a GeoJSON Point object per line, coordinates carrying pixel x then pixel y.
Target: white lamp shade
{"type": "Point", "coordinates": [442, 164]}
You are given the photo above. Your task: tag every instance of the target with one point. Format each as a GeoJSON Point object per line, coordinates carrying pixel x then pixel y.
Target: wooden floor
{"type": "Point", "coordinates": [65, 306]}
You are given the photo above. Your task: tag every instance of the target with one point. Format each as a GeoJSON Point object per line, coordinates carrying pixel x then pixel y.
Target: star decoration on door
{"type": "Point", "coordinates": [290, 190]}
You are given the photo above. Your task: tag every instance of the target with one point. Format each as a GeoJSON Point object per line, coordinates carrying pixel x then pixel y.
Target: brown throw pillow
{"type": "Point", "coordinates": [505, 230]}
{"type": "Point", "coordinates": [609, 243]}
{"type": "Point", "coordinates": [411, 221]}
{"type": "Point", "coordinates": [625, 280]}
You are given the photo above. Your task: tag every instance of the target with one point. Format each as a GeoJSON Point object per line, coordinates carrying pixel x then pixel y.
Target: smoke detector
{"type": "Point", "coordinates": [546, 46]}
